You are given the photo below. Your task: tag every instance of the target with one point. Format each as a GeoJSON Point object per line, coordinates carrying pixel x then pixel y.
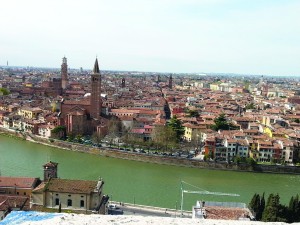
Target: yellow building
{"type": "Point", "coordinates": [214, 87]}
{"type": "Point", "coordinates": [267, 129]}
{"type": "Point", "coordinates": [193, 132]}
{"type": "Point", "coordinates": [253, 149]}
{"type": "Point", "coordinates": [29, 113]}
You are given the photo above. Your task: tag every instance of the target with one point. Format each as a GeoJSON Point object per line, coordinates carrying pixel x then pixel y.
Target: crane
{"type": "Point", "coordinates": [202, 192]}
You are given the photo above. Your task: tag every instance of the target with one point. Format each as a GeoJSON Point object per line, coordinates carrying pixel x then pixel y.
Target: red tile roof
{"type": "Point", "coordinates": [71, 186]}
{"type": "Point", "coordinates": [7, 202]}
{"type": "Point", "coordinates": [20, 182]}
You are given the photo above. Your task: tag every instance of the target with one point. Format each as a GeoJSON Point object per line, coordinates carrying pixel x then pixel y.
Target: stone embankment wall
{"type": "Point", "coordinates": [144, 157]}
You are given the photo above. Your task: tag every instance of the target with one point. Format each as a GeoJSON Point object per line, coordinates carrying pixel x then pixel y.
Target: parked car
{"type": "Point", "coordinates": [114, 209]}
{"type": "Point", "coordinates": [190, 156]}
{"type": "Point", "coordinates": [113, 206]}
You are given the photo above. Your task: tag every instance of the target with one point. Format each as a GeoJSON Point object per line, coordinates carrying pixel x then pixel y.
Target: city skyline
{"type": "Point", "coordinates": [210, 36]}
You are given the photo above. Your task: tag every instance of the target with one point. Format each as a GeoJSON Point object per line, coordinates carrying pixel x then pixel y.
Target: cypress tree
{"type": "Point", "coordinates": [291, 210]}
{"type": "Point", "coordinates": [270, 210]}
{"type": "Point", "coordinates": [274, 211]}
{"type": "Point", "coordinates": [254, 205]}
{"type": "Point", "coordinates": [261, 207]}
{"type": "Point", "coordinates": [296, 209]}
{"type": "Point", "coordinates": [59, 208]}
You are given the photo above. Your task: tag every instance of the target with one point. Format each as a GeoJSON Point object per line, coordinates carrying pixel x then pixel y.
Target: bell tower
{"type": "Point", "coordinates": [64, 73]}
{"type": "Point", "coordinates": [50, 170]}
{"type": "Point", "coordinates": [96, 92]}
{"type": "Point", "coordinates": [123, 82]}
{"type": "Point", "coordinates": [170, 81]}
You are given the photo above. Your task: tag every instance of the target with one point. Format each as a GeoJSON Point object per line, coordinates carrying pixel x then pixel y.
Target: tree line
{"type": "Point", "coordinates": [273, 211]}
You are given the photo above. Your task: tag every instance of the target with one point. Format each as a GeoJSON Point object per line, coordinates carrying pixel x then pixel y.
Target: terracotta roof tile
{"type": "Point", "coordinates": [21, 182]}
{"type": "Point", "coordinates": [71, 186]}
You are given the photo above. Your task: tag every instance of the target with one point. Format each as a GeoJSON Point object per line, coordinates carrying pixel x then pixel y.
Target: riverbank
{"type": "Point", "coordinates": [152, 158]}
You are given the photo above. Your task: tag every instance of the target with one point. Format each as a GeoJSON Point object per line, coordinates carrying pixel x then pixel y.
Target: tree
{"type": "Point", "coordinates": [59, 131]}
{"type": "Point", "coordinates": [4, 91]}
{"type": "Point", "coordinates": [274, 212]}
{"type": "Point", "coordinates": [250, 106]}
{"type": "Point", "coordinates": [261, 207]}
{"type": "Point", "coordinates": [250, 161]}
{"type": "Point", "coordinates": [197, 139]}
{"type": "Point", "coordinates": [59, 208]}
{"type": "Point", "coordinates": [254, 204]}
{"type": "Point", "coordinates": [176, 125]}
{"type": "Point", "coordinates": [164, 136]}
{"type": "Point", "coordinates": [71, 137]}
{"type": "Point", "coordinates": [221, 123]}
{"type": "Point", "coordinates": [78, 138]}
{"type": "Point", "coordinates": [294, 209]}
{"type": "Point", "coordinates": [114, 129]}
{"type": "Point", "coordinates": [96, 138]}
{"type": "Point", "coordinates": [193, 113]}
{"type": "Point", "coordinates": [297, 120]}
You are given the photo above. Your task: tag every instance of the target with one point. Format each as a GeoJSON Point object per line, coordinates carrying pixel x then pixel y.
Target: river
{"type": "Point", "coordinates": [142, 183]}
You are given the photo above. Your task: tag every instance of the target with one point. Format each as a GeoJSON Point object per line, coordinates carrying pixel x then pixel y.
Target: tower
{"type": "Point", "coordinates": [64, 73]}
{"type": "Point", "coordinates": [158, 78]}
{"type": "Point", "coordinates": [96, 92]}
{"type": "Point", "coordinates": [123, 82]}
{"type": "Point", "coordinates": [170, 81]}
{"type": "Point", "coordinates": [50, 170]}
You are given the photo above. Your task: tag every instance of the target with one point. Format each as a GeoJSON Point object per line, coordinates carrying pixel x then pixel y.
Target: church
{"type": "Point", "coordinates": [84, 116]}
{"type": "Point", "coordinates": [77, 195]}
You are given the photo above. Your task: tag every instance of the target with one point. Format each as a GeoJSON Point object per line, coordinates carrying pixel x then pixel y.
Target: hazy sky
{"type": "Point", "coordinates": [237, 36]}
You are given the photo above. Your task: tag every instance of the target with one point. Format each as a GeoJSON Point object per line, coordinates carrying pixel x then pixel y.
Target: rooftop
{"type": "Point", "coordinates": [20, 182]}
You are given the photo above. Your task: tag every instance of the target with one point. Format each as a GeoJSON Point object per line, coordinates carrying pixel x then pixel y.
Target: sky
{"type": "Point", "coordinates": [193, 36]}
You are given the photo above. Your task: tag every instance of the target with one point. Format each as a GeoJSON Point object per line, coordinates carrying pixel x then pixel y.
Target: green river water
{"type": "Point", "coordinates": [142, 183]}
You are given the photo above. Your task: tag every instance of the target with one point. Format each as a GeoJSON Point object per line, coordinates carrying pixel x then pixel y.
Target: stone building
{"type": "Point", "coordinates": [22, 186]}
{"type": "Point", "coordinates": [76, 195]}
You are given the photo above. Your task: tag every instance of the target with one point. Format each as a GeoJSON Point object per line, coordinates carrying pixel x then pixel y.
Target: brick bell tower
{"type": "Point", "coordinates": [64, 73]}
{"type": "Point", "coordinates": [50, 170]}
{"type": "Point", "coordinates": [96, 92]}
{"type": "Point", "coordinates": [170, 81]}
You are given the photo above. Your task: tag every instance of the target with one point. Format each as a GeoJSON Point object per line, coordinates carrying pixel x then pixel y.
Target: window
{"type": "Point", "coordinates": [57, 201]}
{"type": "Point", "coordinates": [69, 203]}
{"type": "Point", "coordinates": [82, 203]}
